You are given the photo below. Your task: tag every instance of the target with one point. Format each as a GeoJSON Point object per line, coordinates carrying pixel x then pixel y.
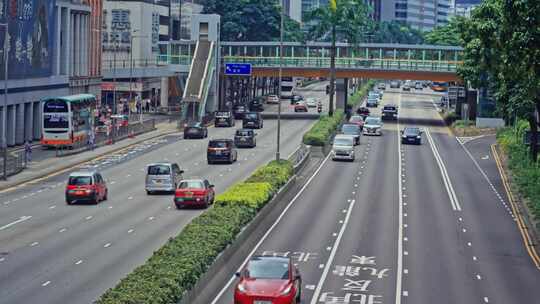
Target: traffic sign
{"type": "Point", "coordinates": [239, 69]}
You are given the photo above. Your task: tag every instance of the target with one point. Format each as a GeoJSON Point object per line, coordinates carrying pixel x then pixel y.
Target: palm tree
{"type": "Point", "coordinates": [341, 20]}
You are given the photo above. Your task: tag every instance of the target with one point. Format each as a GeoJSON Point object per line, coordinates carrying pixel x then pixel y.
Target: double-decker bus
{"type": "Point", "coordinates": [68, 120]}
{"type": "Point", "coordinates": [288, 84]}
{"type": "Point", "coordinates": [439, 86]}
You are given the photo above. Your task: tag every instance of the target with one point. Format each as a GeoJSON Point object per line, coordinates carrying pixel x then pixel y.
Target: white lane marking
{"type": "Point", "coordinates": [310, 287]}
{"type": "Point", "coordinates": [399, 270]}
{"type": "Point", "coordinates": [276, 222]}
{"type": "Point", "coordinates": [78, 262]}
{"type": "Point", "coordinates": [107, 245]}
{"type": "Point", "coordinates": [46, 283]}
{"type": "Point", "coordinates": [321, 266]}
{"type": "Point", "coordinates": [113, 182]}
{"type": "Point", "coordinates": [334, 234]}
{"type": "Point", "coordinates": [130, 198]}
{"type": "Point", "coordinates": [110, 207]}
{"type": "Point", "coordinates": [478, 277]}
{"type": "Point", "coordinates": [151, 218]}
{"type": "Point", "coordinates": [486, 299]}
{"type": "Point", "coordinates": [405, 293]}
{"type": "Point", "coordinates": [330, 261]}
{"type": "Point", "coordinates": [405, 225]}
{"type": "Point", "coordinates": [62, 230]}
{"type": "Point", "coordinates": [474, 258]}
{"type": "Point", "coordinates": [328, 248]}
{"type": "Point", "coordinates": [20, 220]}
{"type": "Point", "coordinates": [405, 253]}
{"type": "Point", "coordinates": [88, 218]}
{"type": "Point", "coordinates": [130, 230]}
{"type": "Point", "coordinates": [2, 259]}
{"type": "Point", "coordinates": [6, 202]}
{"type": "Point", "coordinates": [405, 271]}
{"type": "Point", "coordinates": [446, 179]}
{"type": "Point", "coordinates": [405, 239]}
{"type": "Point", "coordinates": [34, 244]}
{"type": "Point", "coordinates": [464, 230]}
{"type": "Point", "coordinates": [52, 207]}
{"type": "Point", "coordinates": [469, 244]}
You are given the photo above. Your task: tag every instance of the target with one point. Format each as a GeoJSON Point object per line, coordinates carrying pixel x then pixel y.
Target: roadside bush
{"type": "Point", "coordinates": [177, 266]}
{"type": "Point", "coordinates": [321, 131]}
{"type": "Point", "coordinates": [525, 172]}
{"type": "Point", "coordinates": [253, 195]}
{"type": "Point", "coordinates": [357, 98]}
{"type": "Point", "coordinates": [277, 173]}
{"type": "Point", "coordinates": [450, 117]}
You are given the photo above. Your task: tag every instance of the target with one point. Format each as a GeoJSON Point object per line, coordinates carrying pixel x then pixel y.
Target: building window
{"type": "Point", "coordinates": [401, 14]}
{"type": "Point", "coordinates": [120, 19]}
{"type": "Point", "coordinates": [401, 6]}
{"type": "Point", "coordinates": [105, 37]}
{"type": "Point", "coordinates": [104, 20]}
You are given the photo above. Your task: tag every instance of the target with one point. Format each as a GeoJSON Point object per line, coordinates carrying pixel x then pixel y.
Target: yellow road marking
{"type": "Point", "coordinates": [521, 224]}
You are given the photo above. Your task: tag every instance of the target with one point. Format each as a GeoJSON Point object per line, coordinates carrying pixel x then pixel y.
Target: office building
{"type": "Point", "coordinates": [465, 7]}
{"type": "Point", "coordinates": [419, 14]}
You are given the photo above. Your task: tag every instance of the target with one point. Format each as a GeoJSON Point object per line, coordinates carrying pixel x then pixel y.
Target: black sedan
{"type": "Point", "coordinates": [245, 138]}
{"type": "Point", "coordinates": [239, 111]}
{"type": "Point", "coordinates": [411, 135]}
{"type": "Point", "coordinates": [256, 105]}
{"type": "Point", "coordinates": [195, 130]}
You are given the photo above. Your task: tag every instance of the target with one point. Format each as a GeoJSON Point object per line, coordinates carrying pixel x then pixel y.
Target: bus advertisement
{"type": "Point", "coordinates": [67, 120]}
{"type": "Point", "coordinates": [439, 86]}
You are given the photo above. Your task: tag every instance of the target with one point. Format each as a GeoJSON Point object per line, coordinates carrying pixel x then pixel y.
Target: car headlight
{"type": "Point", "coordinates": [404, 136]}
{"type": "Point", "coordinates": [241, 288]}
{"type": "Point", "coordinates": [287, 290]}
{"type": "Point", "coordinates": [418, 136]}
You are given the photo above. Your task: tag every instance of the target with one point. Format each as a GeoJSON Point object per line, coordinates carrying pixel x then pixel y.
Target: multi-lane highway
{"type": "Point", "coordinates": [403, 224]}
{"type": "Point", "coordinates": [54, 253]}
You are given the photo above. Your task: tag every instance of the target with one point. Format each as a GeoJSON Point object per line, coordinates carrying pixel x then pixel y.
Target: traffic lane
{"type": "Point", "coordinates": [329, 202]}
{"type": "Point", "coordinates": [419, 111]}
{"type": "Point", "coordinates": [439, 264]}
{"type": "Point", "coordinates": [149, 227]}
{"type": "Point", "coordinates": [504, 263]}
{"type": "Point", "coordinates": [297, 236]}
{"type": "Point", "coordinates": [364, 268]}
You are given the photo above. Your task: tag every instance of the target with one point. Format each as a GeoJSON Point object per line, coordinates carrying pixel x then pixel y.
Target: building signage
{"type": "Point", "coordinates": [31, 37]}
{"type": "Point", "coordinates": [239, 69]}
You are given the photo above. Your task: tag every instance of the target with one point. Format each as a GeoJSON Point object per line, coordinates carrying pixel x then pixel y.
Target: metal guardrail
{"type": "Point", "coordinates": [299, 156]}
{"type": "Point", "coordinates": [16, 162]}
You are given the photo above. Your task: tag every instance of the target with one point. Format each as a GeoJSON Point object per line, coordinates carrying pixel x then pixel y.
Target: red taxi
{"type": "Point", "coordinates": [194, 192]}
{"type": "Point", "coordinates": [86, 187]}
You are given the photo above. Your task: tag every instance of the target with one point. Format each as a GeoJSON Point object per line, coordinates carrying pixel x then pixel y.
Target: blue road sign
{"type": "Point", "coordinates": [240, 69]}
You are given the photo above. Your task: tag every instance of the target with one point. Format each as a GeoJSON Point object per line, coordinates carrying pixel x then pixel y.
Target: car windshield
{"type": "Point", "coordinates": [251, 115]}
{"type": "Point", "coordinates": [80, 180]}
{"type": "Point", "coordinates": [223, 114]}
{"type": "Point", "coordinates": [342, 141]}
{"type": "Point", "coordinates": [243, 133]}
{"type": "Point", "coordinates": [194, 125]}
{"type": "Point", "coordinates": [350, 129]}
{"type": "Point", "coordinates": [260, 268]}
{"type": "Point", "coordinates": [239, 108]}
{"type": "Point", "coordinates": [372, 121]}
{"type": "Point", "coordinates": [356, 119]}
{"type": "Point", "coordinates": [217, 144]}
{"type": "Point", "coordinates": [159, 170]}
{"type": "Point", "coordinates": [390, 108]}
{"type": "Point", "coordinates": [191, 185]}
{"type": "Point", "coordinates": [411, 131]}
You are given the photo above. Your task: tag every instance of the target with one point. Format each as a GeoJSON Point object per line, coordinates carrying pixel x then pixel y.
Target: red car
{"type": "Point", "coordinates": [194, 192]}
{"type": "Point", "coordinates": [357, 120]}
{"type": "Point", "coordinates": [269, 280]}
{"type": "Point", "coordinates": [300, 107]}
{"type": "Point", "coordinates": [86, 187]}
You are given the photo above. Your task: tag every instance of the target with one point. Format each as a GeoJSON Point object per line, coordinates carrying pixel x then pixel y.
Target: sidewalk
{"type": "Point", "coordinates": [46, 166]}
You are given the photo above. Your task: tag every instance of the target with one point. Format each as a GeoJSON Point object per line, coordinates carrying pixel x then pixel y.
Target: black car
{"type": "Point", "coordinates": [252, 120]}
{"type": "Point", "coordinates": [221, 150]}
{"type": "Point", "coordinates": [224, 119]}
{"type": "Point", "coordinates": [390, 111]}
{"type": "Point", "coordinates": [239, 111]}
{"type": "Point", "coordinates": [245, 138]}
{"type": "Point", "coordinates": [256, 105]}
{"type": "Point", "coordinates": [411, 135]}
{"type": "Point", "coordinates": [195, 130]}
{"type": "Point", "coordinates": [296, 98]}
{"type": "Point", "coordinates": [363, 111]}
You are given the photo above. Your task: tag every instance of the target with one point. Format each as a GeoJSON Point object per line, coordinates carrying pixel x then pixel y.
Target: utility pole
{"type": "Point", "coordinates": [280, 77]}
{"type": "Point", "coordinates": [4, 112]}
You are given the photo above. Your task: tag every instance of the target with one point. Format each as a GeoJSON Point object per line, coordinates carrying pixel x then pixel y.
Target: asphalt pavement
{"type": "Point", "coordinates": [404, 223]}
{"type": "Point", "coordinates": [54, 253]}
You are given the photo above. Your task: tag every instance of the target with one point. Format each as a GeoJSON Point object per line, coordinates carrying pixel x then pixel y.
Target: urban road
{"type": "Point", "coordinates": [403, 224]}
{"type": "Point", "coordinates": [54, 253]}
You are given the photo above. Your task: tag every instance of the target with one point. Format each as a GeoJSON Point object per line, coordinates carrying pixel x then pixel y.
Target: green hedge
{"type": "Point", "coordinates": [177, 266]}
{"type": "Point", "coordinates": [321, 131]}
{"type": "Point", "coordinates": [525, 172]}
{"type": "Point", "coordinates": [357, 97]}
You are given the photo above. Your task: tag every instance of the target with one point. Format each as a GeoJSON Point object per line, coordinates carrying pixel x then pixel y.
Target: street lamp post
{"type": "Point", "coordinates": [4, 112]}
{"type": "Point", "coordinates": [280, 78]}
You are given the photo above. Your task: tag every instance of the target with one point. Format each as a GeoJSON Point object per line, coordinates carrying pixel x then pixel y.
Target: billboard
{"type": "Point", "coordinates": [31, 38]}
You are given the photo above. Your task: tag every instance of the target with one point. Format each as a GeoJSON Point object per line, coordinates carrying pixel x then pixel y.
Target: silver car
{"type": "Point", "coordinates": [162, 177]}
{"type": "Point", "coordinates": [373, 126]}
{"type": "Point", "coordinates": [343, 148]}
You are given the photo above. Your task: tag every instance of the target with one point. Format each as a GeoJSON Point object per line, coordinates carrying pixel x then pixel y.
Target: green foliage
{"type": "Point", "coordinates": [177, 266]}
{"type": "Point", "coordinates": [450, 117]}
{"type": "Point", "coordinates": [253, 195]}
{"type": "Point", "coordinates": [252, 20]}
{"type": "Point", "coordinates": [321, 131]}
{"type": "Point", "coordinates": [446, 35]}
{"type": "Point", "coordinates": [277, 173]}
{"type": "Point", "coordinates": [526, 173]}
{"type": "Point", "coordinates": [357, 98]}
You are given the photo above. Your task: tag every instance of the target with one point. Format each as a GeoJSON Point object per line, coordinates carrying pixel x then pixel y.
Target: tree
{"type": "Point", "coordinates": [340, 20]}
{"type": "Point", "coordinates": [502, 53]}
{"type": "Point", "coordinates": [446, 35]}
{"type": "Point", "coordinates": [251, 20]}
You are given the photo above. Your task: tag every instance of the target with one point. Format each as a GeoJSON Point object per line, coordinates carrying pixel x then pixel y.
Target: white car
{"type": "Point", "coordinates": [272, 99]}
{"type": "Point", "coordinates": [373, 126]}
{"type": "Point", "coordinates": [343, 147]}
{"type": "Point", "coordinates": [311, 102]}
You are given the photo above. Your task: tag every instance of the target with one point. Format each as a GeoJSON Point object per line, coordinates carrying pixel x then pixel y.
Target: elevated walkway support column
{"type": "Point", "coordinates": [341, 93]}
